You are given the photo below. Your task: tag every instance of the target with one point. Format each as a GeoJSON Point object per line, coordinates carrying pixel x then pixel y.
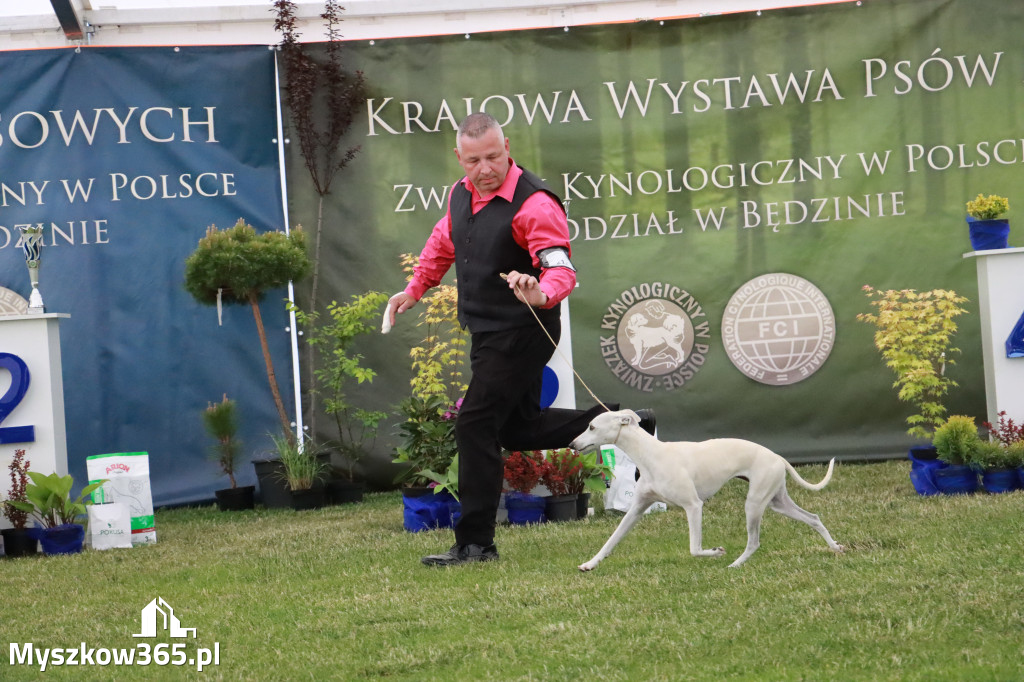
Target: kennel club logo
{"type": "Point", "coordinates": [655, 335]}
{"type": "Point", "coordinates": [778, 329]}
{"type": "Point", "coordinates": [11, 303]}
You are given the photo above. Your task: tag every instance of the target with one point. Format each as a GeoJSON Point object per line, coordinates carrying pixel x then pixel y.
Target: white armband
{"type": "Point", "coordinates": [555, 257]}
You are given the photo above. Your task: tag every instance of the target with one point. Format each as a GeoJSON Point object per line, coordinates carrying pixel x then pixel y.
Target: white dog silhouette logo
{"type": "Point", "coordinates": [659, 336]}
{"type": "Point", "coordinates": [160, 610]}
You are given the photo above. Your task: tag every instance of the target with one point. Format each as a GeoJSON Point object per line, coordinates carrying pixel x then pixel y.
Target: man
{"type": "Point", "coordinates": [501, 219]}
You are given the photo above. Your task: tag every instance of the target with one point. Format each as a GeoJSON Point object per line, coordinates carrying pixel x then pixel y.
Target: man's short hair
{"type": "Point", "coordinates": [475, 125]}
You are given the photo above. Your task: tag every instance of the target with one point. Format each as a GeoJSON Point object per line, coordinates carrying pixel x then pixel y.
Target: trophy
{"type": "Point", "coordinates": [32, 245]}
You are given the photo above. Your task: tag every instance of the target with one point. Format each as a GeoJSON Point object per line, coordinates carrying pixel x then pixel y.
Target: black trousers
{"type": "Point", "coordinates": [501, 408]}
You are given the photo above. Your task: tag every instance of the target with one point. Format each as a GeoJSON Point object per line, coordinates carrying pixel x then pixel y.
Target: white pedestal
{"type": "Point", "coordinates": [1001, 302]}
{"type": "Point", "coordinates": [35, 340]}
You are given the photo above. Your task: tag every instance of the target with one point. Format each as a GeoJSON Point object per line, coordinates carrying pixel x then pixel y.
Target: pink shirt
{"type": "Point", "coordinates": [540, 224]}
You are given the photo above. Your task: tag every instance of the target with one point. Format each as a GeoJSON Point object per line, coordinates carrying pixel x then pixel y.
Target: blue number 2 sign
{"type": "Point", "coordinates": [9, 400]}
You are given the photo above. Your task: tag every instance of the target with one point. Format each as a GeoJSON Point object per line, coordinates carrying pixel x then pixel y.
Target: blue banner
{"type": "Point", "coordinates": [124, 156]}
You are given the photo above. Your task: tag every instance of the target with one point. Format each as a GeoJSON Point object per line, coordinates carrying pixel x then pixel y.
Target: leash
{"type": "Point", "coordinates": [558, 350]}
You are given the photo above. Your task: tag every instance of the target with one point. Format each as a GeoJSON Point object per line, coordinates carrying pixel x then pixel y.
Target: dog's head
{"type": "Point", "coordinates": [604, 429]}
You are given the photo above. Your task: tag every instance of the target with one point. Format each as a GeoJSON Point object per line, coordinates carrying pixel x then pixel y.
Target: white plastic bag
{"type": "Point", "coordinates": [127, 475]}
{"type": "Point", "coordinates": [110, 526]}
{"type": "Point", "coordinates": [619, 495]}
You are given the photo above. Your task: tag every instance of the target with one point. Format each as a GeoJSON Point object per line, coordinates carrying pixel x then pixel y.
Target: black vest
{"type": "Point", "coordinates": [485, 248]}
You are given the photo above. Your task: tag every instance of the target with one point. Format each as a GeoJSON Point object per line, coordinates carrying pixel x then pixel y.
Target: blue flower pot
{"type": "Point", "coordinates": [66, 539]}
{"type": "Point", "coordinates": [524, 508]}
{"type": "Point", "coordinates": [956, 479]}
{"type": "Point", "coordinates": [988, 234]}
{"type": "Point", "coordinates": [422, 509]}
{"type": "Point", "coordinates": [1000, 481]}
{"type": "Point", "coordinates": [923, 463]}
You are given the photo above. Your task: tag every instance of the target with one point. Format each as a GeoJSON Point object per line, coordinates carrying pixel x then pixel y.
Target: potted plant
{"type": "Point", "coordinates": [560, 467]}
{"type": "Point", "coordinates": [1010, 438]}
{"type": "Point", "coordinates": [17, 539]}
{"type": "Point", "coordinates": [221, 423]}
{"type": "Point", "coordinates": [427, 431]}
{"type": "Point", "coordinates": [49, 500]}
{"type": "Point", "coordinates": [430, 482]}
{"type": "Point", "coordinates": [1016, 451]}
{"type": "Point", "coordinates": [913, 333]}
{"type": "Point", "coordinates": [592, 474]}
{"type": "Point", "coordinates": [997, 465]}
{"type": "Point", "coordinates": [522, 472]}
{"type": "Point", "coordinates": [986, 228]}
{"type": "Point", "coordinates": [303, 470]}
{"type": "Point", "coordinates": [340, 367]}
{"type": "Point", "coordinates": [237, 265]}
{"type": "Point", "coordinates": [956, 441]}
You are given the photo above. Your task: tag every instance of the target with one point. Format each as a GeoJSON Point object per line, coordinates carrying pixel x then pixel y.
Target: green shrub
{"type": "Point", "coordinates": [914, 333]}
{"type": "Point", "coordinates": [957, 440]}
{"type": "Point", "coordinates": [987, 208]}
{"type": "Point", "coordinates": [1015, 453]}
{"type": "Point", "coordinates": [991, 455]}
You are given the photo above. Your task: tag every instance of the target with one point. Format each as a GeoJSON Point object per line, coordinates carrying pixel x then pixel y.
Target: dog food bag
{"type": "Point", "coordinates": [619, 495]}
{"type": "Point", "coordinates": [127, 476]}
{"type": "Point", "coordinates": [110, 526]}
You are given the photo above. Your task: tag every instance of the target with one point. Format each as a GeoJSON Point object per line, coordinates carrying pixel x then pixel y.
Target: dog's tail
{"type": "Point", "coordinates": [812, 486]}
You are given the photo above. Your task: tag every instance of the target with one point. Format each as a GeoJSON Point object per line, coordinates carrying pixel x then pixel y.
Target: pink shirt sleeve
{"type": "Point", "coordinates": [437, 256]}
{"type": "Point", "coordinates": [541, 224]}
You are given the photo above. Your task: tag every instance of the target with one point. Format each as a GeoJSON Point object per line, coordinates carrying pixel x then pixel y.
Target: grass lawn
{"type": "Point", "coordinates": [929, 589]}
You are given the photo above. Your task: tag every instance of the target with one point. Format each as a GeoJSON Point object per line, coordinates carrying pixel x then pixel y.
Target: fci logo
{"type": "Point", "coordinates": [778, 329]}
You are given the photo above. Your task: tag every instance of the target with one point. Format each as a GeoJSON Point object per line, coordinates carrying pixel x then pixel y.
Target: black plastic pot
{"type": "Point", "coordinates": [309, 498]}
{"type": "Point", "coordinates": [236, 499]}
{"type": "Point", "coordinates": [342, 491]}
{"type": "Point", "coordinates": [561, 507]}
{"type": "Point", "coordinates": [274, 491]}
{"type": "Point", "coordinates": [19, 542]}
{"type": "Point", "coordinates": [582, 505]}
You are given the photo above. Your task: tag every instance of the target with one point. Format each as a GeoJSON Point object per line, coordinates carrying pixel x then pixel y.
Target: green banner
{"type": "Point", "coordinates": [732, 184]}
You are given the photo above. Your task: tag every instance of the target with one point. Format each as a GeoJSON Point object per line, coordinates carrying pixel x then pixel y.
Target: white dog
{"type": "Point", "coordinates": [686, 474]}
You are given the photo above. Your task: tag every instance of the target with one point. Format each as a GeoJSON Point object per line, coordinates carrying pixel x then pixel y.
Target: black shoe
{"type": "Point", "coordinates": [462, 554]}
{"type": "Point", "coordinates": [648, 422]}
